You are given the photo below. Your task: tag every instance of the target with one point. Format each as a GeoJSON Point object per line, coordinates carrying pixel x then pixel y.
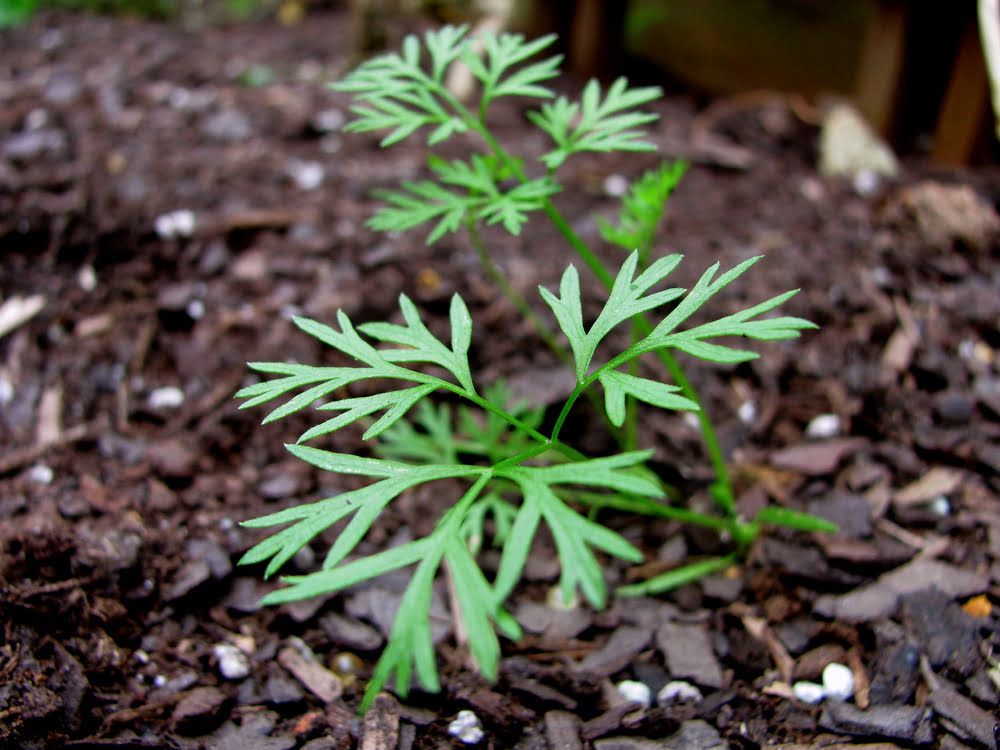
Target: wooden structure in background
{"type": "Point", "coordinates": [912, 68]}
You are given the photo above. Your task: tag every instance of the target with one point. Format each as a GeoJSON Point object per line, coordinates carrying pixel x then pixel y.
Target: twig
{"type": "Point", "coordinates": [17, 458]}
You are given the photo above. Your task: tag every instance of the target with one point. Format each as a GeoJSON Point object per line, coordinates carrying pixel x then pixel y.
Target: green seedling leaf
{"type": "Point", "coordinates": [643, 207]}
{"type": "Point", "coordinates": [503, 52]}
{"type": "Point", "coordinates": [677, 577]}
{"type": "Point", "coordinates": [773, 515]}
{"type": "Point", "coordinates": [627, 299]}
{"type": "Point", "coordinates": [480, 197]}
{"type": "Point", "coordinates": [594, 124]}
{"type": "Point", "coordinates": [422, 346]}
{"type": "Point", "coordinates": [618, 384]}
{"type": "Point", "coordinates": [574, 536]}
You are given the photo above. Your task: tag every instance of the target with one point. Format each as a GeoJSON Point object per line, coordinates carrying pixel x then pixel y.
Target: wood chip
{"type": "Point", "coordinates": [620, 650]}
{"type": "Point", "coordinates": [937, 481]}
{"type": "Point", "coordinates": [759, 629]}
{"type": "Point", "coordinates": [50, 409]}
{"type": "Point", "coordinates": [817, 459]}
{"type": "Point", "coordinates": [17, 311]}
{"type": "Point", "coordinates": [381, 726]}
{"type": "Point", "coordinates": [879, 599]}
{"type": "Point", "coordinates": [562, 730]}
{"type": "Point", "coordinates": [300, 661]}
{"type": "Point", "coordinates": [688, 653]}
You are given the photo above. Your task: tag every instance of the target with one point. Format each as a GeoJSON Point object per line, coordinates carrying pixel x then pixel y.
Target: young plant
{"type": "Point", "coordinates": [522, 476]}
{"type": "Point", "coordinates": [406, 93]}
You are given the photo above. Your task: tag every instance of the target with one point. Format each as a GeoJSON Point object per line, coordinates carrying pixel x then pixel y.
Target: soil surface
{"type": "Point", "coordinates": [169, 198]}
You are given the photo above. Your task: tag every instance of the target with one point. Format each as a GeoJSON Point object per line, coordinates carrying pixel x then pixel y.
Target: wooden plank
{"type": "Point", "coordinates": [880, 66]}
{"type": "Point", "coordinates": [966, 103]}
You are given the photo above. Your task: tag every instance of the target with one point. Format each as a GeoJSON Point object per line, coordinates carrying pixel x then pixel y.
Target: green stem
{"type": "Point", "coordinates": [516, 298]}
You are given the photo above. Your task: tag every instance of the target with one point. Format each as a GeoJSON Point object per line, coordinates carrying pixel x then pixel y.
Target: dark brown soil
{"type": "Point", "coordinates": [120, 512]}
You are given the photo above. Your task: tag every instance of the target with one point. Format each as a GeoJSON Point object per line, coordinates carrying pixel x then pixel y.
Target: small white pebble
{"type": "Point", "coordinates": [882, 277]}
{"type": "Point", "coordinates": [36, 119]}
{"type": "Point", "coordinates": [141, 656]}
{"type": "Point", "coordinates": [6, 389]}
{"type": "Point", "coordinates": [178, 223]}
{"type": "Point", "coordinates": [812, 190]}
{"type": "Point", "coordinates": [838, 682]}
{"type": "Point", "coordinates": [940, 506]}
{"type": "Point", "coordinates": [635, 692]}
{"type": "Point", "coordinates": [466, 728]}
{"type": "Point", "coordinates": [691, 420]}
{"type": "Point", "coordinates": [866, 182]}
{"type": "Point", "coordinates": [159, 681]}
{"type": "Point", "coordinates": [168, 397]}
{"type": "Point", "coordinates": [195, 309]}
{"type": "Point", "coordinates": [823, 426]}
{"type": "Point", "coordinates": [86, 278]}
{"type": "Point", "coordinates": [307, 175]}
{"type": "Point", "coordinates": [226, 524]}
{"type": "Point", "coordinates": [680, 691]}
{"type": "Point", "coordinates": [233, 663]}
{"type": "Point", "coordinates": [328, 120]}
{"type": "Point", "coordinates": [809, 692]}
{"type": "Point", "coordinates": [41, 473]}
{"type": "Point", "coordinates": [747, 412]}
{"type": "Point", "coordinates": [615, 185]}
{"type": "Point", "coordinates": [555, 600]}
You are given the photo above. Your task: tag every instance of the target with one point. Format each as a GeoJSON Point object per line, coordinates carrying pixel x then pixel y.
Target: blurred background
{"type": "Point", "coordinates": [915, 69]}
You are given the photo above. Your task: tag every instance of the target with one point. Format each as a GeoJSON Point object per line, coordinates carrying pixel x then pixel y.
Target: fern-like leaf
{"type": "Point", "coordinates": [596, 124]}
{"type": "Point", "coordinates": [643, 207]}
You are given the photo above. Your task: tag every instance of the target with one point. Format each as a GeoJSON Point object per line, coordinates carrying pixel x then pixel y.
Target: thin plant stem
{"type": "Point", "coordinates": [515, 297]}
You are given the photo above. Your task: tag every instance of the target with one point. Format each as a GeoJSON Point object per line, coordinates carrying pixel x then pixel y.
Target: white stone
{"type": "Point", "coordinates": [175, 224]}
{"type": "Point", "coordinates": [615, 185]}
{"type": "Point", "coordinates": [941, 506]}
{"type": "Point", "coordinates": [41, 473]}
{"type": "Point", "coordinates": [329, 120]}
{"type": "Point", "coordinates": [823, 426]}
{"type": "Point", "coordinates": [466, 728]}
{"type": "Point", "coordinates": [809, 692]}
{"type": "Point", "coordinates": [6, 389]}
{"type": "Point", "coordinates": [848, 146]}
{"type": "Point", "coordinates": [838, 681]}
{"type": "Point", "coordinates": [86, 277]}
{"type": "Point", "coordinates": [747, 412]}
{"type": "Point", "coordinates": [635, 692]}
{"type": "Point", "coordinates": [307, 175]}
{"type": "Point", "coordinates": [167, 397]}
{"type": "Point", "coordinates": [678, 690]}
{"type": "Point", "coordinates": [866, 182]}
{"type": "Point", "coordinates": [195, 309]}
{"type": "Point", "coordinates": [233, 663]}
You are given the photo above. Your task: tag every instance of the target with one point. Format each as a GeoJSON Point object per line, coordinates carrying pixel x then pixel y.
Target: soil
{"type": "Point", "coordinates": [125, 466]}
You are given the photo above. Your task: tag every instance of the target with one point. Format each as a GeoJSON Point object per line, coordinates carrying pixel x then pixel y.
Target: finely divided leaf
{"type": "Point", "coordinates": [481, 198]}
{"type": "Point", "coordinates": [626, 300]}
{"type": "Point", "coordinates": [693, 340]}
{"type": "Point", "coordinates": [594, 124]}
{"type": "Point", "coordinates": [574, 535]}
{"type": "Point", "coordinates": [393, 92]}
{"type": "Point", "coordinates": [618, 384]}
{"type": "Point", "coordinates": [422, 346]}
{"type": "Point", "coordinates": [643, 207]}
{"type": "Point", "coordinates": [616, 472]}
{"type": "Point", "coordinates": [501, 54]}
